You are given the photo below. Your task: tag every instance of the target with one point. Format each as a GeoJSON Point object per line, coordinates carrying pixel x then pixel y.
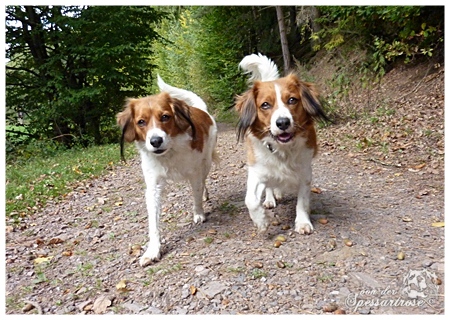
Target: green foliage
{"type": "Point", "coordinates": [366, 41]}
{"type": "Point", "coordinates": [201, 50]}
{"type": "Point", "coordinates": [71, 67]}
{"type": "Point", "coordinates": [389, 32]}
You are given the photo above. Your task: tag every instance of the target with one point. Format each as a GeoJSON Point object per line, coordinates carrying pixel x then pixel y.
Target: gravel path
{"type": "Point", "coordinates": [376, 226]}
{"type": "Point", "coordinates": [221, 266]}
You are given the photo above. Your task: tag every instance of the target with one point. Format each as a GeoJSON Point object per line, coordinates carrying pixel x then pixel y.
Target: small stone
{"type": "Point", "coordinates": [281, 238]}
{"type": "Point", "coordinates": [331, 307]}
{"type": "Point", "coordinates": [277, 244]}
{"type": "Point", "coordinates": [400, 256]}
{"type": "Point", "coordinates": [27, 307]}
{"type": "Point", "coordinates": [258, 264]}
{"type": "Point", "coordinates": [348, 242]}
{"type": "Point", "coordinates": [280, 264]}
{"type": "Point", "coordinates": [323, 220]}
{"type": "Point", "coordinates": [331, 245]}
{"type": "Point", "coordinates": [340, 311]}
{"type": "Point", "coordinates": [427, 263]}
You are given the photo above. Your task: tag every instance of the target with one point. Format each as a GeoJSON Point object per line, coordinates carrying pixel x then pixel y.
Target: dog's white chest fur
{"type": "Point", "coordinates": [282, 167]}
{"type": "Point", "coordinates": [176, 164]}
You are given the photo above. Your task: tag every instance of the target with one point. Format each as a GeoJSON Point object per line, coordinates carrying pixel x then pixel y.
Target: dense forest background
{"type": "Point", "coordinates": [70, 68]}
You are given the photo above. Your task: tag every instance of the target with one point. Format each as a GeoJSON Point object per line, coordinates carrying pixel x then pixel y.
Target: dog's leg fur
{"type": "Point", "coordinates": [269, 201]}
{"type": "Point", "coordinates": [153, 200]}
{"type": "Point", "coordinates": [198, 190]}
{"type": "Point", "coordinates": [303, 223]}
{"type": "Point", "coordinates": [253, 201]}
{"type": "Point", "coordinates": [272, 196]}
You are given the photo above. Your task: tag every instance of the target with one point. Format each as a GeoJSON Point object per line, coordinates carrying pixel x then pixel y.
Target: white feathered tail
{"type": "Point", "coordinates": [188, 96]}
{"type": "Point", "coordinates": [260, 67]}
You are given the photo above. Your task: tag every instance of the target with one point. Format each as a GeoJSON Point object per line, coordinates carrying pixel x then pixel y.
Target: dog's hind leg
{"type": "Point", "coordinates": [198, 189]}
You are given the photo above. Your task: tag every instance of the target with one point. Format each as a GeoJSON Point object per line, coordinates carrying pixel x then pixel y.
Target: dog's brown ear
{"type": "Point", "coordinates": [311, 101]}
{"type": "Point", "coordinates": [125, 122]}
{"type": "Point", "coordinates": [246, 107]}
{"type": "Point", "coordinates": [183, 116]}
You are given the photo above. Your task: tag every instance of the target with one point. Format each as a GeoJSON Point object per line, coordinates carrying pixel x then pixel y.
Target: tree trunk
{"type": "Point", "coordinates": [315, 13]}
{"type": "Point", "coordinates": [283, 38]}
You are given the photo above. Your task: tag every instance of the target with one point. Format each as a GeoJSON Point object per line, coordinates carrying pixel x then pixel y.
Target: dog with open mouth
{"type": "Point", "coordinates": [277, 118]}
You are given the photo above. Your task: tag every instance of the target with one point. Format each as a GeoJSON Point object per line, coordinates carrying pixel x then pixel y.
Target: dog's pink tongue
{"type": "Point", "coordinates": [284, 137]}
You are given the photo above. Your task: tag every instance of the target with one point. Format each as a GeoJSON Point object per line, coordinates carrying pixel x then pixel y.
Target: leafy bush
{"type": "Point", "coordinates": [389, 32]}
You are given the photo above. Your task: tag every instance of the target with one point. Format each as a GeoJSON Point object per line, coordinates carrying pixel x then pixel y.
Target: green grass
{"type": "Point", "coordinates": [32, 183]}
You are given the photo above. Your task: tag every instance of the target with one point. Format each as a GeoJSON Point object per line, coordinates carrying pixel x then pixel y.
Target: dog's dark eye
{"type": "Point", "coordinates": [165, 118]}
{"type": "Point", "coordinates": [266, 106]}
{"type": "Point", "coordinates": [141, 123]}
{"type": "Point", "coordinates": [292, 100]}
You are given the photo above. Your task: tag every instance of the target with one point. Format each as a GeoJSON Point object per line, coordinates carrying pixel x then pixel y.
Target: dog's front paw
{"type": "Point", "coordinates": [269, 204]}
{"type": "Point", "coordinates": [304, 227]}
{"type": "Point", "coordinates": [262, 225]}
{"type": "Point", "coordinates": [199, 218]}
{"type": "Point", "coordinates": [152, 254]}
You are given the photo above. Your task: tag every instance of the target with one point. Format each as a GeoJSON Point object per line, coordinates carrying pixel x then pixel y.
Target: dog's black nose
{"type": "Point", "coordinates": [283, 123]}
{"type": "Point", "coordinates": [156, 141]}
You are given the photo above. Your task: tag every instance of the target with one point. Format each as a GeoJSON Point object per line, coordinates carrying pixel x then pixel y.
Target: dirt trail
{"type": "Point", "coordinates": [375, 225]}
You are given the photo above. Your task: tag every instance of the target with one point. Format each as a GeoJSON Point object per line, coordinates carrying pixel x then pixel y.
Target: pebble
{"type": "Point", "coordinates": [427, 263]}
{"type": "Point", "coordinates": [330, 307]}
{"type": "Point", "coordinates": [364, 311]}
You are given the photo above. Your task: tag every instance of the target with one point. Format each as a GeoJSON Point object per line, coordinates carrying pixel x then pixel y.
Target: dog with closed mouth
{"type": "Point", "coordinates": [277, 118]}
{"type": "Point", "coordinates": [176, 138]}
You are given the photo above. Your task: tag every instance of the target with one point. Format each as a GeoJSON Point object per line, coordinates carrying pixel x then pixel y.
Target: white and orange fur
{"type": "Point", "coordinates": [277, 122]}
{"type": "Point", "coordinates": [176, 139]}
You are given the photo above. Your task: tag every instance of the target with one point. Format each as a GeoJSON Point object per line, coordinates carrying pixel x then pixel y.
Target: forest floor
{"type": "Point", "coordinates": [377, 210]}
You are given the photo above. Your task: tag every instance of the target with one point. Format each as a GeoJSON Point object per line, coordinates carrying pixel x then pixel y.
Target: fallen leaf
{"type": "Point", "coordinates": [55, 241]}
{"type": "Point", "coordinates": [42, 260]}
{"type": "Point", "coordinates": [277, 244]}
{"type": "Point", "coordinates": [316, 190]}
{"type": "Point", "coordinates": [78, 171]}
{"type": "Point", "coordinates": [135, 250]}
{"type": "Point", "coordinates": [406, 219]}
{"type": "Point", "coordinates": [192, 290]}
{"type": "Point", "coordinates": [438, 224]}
{"type": "Point", "coordinates": [100, 304]}
{"type": "Point", "coordinates": [348, 242]}
{"type": "Point", "coordinates": [122, 286]}
{"type": "Point", "coordinates": [420, 166]}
